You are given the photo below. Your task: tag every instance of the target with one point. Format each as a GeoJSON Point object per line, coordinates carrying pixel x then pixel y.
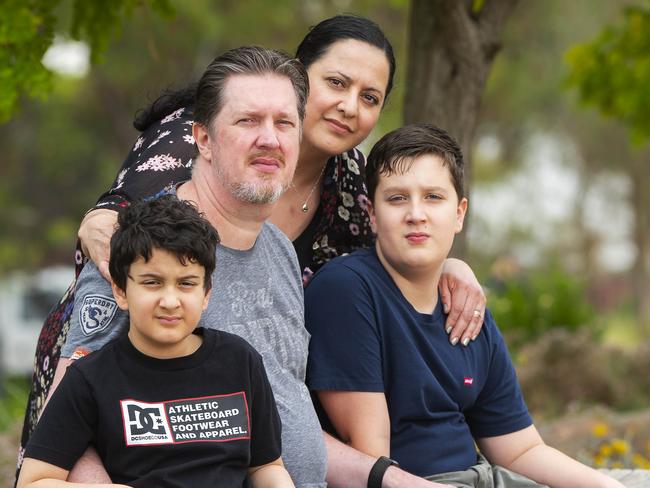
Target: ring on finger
{"type": "Point", "coordinates": [477, 313]}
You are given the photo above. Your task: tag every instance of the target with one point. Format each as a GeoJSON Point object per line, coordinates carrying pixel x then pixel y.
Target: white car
{"type": "Point", "coordinates": [25, 300]}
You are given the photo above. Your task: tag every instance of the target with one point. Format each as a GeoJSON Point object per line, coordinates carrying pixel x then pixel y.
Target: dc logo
{"type": "Point", "coordinates": [145, 423]}
{"type": "Point", "coordinates": [96, 313]}
{"type": "Point", "coordinates": [145, 420]}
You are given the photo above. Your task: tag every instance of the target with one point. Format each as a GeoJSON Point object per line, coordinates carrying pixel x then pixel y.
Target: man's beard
{"type": "Point", "coordinates": [257, 193]}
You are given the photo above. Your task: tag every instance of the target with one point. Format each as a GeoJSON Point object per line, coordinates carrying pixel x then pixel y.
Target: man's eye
{"type": "Point", "coordinates": [396, 198]}
{"type": "Point", "coordinates": [188, 284]}
{"type": "Point", "coordinates": [434, 196]}
{"type": "Point", "coordinates": [151, 282]}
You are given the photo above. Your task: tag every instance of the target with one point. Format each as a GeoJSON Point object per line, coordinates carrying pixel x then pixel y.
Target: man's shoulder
{"type": "Point", "coordinates": [231, 341]}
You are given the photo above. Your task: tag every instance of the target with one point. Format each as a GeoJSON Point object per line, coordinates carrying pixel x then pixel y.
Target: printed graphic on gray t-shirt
{"type": "Point", "coordinates": [256, 294]}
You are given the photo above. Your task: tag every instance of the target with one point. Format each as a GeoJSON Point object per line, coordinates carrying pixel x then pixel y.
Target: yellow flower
{"type": "Point", "coordinates": [600, 430]}
{"type": "Point", "coordinates": [640, 461]}
{"type": "Point", "coordinates": [599, 461]}
{"type": "Point", "coordinates": [606, 450]}
{"type": "Point", "coordinates": [619, 446]}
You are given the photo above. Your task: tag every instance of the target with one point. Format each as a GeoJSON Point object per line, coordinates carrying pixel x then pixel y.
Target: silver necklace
{"type": "Point", "coordinates": [305, 207]}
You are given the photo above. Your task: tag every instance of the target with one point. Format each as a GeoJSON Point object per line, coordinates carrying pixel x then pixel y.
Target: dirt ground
{"type": "Point", "coordinates": [579, 435]}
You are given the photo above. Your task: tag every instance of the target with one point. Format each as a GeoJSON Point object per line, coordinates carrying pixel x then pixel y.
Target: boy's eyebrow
{"type": "Point", "coordinates": [158, 275]}
{"type": "Point", "coordinates": [402, 188]}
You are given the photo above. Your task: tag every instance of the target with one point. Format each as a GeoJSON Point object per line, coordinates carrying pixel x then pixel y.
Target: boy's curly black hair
{"type": "Point", "coordinates": [164, 223]}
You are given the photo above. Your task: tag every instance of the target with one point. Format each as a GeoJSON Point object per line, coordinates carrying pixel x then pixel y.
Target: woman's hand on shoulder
{"type": "Point", "coordinates": [95, 233]}
{"type": "Point", "coordinates": [463, 299]}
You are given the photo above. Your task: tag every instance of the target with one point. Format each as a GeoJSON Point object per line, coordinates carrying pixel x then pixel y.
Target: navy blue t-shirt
{"type": "Point", "coordinates": [367, 337]}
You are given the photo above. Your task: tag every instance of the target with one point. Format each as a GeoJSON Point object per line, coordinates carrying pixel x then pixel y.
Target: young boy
{"type": "Point", "coordinates": [166, 404]}
{"type": "Point", "coordinates": [379, 360]}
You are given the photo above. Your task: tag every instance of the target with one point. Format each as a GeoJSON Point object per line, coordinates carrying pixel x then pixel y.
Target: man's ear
{"type": "Point", "coordinates": [460, 214]}
{"type": "Point", "coordinates": [371, 214]}
{"type": "Point", "coordinates": [120, 296]}
{"type": "Point", "coordinates": [203, 141]}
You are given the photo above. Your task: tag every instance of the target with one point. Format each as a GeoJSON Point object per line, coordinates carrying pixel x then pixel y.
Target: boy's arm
{"type": "Point", "coordinates": [360, 419]}
{"type": "Point", "coordinates": [525, 452]}
{"type": "Point", "coordinates": [39, 474]}
{"type": "Point", "coordinates": [270, 475]}
{"type": "Point", "coordinates": [349, 468]}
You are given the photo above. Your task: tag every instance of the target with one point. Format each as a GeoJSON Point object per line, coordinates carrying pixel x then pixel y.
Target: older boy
{"type": "Point", "coordinates": [166, 404]}
{"type": "Point", "coordinates": [380, 363]}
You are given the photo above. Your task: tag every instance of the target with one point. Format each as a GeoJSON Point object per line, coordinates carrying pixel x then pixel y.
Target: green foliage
{"type": "Point", "coordinates": [527, 306]}
{"type": "Point", "coordinates": [27, 30]}
{"type": "Point", "coordinates": [13, 397]}
{"type": "Point", "coordinates": [612, 72]}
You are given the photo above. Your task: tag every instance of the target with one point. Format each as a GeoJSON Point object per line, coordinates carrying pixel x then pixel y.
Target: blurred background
{"type": "Point", "coordinates": [559, 227]}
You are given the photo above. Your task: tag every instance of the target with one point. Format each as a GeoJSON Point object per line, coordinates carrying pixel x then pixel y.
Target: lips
{"type": "Point", "coordinates": [169, 319]}
{"type": "Point", "coordinates": [266, 163]}
{"type": "Point", "coordinates": [338, 126]}
{"type": "Point", "coordinates": [417, 237]}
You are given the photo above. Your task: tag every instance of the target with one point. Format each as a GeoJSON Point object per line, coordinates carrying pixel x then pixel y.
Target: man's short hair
{"type": "Point", "coordinates": [247, 60]}
{"type": "Point", "coordinates": [165, 223]}
{"type": "Point", "coordinates": [395, 152]}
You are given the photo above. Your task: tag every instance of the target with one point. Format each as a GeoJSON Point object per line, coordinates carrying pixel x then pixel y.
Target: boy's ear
{"type": "Point", "coordinates": [206, 298]}
{"type": "Point", "coordinates": [120, 296]}
{"type": "Point", "coordinates": [371, 214]}
{"type": "Point", "coordinates": [203, 141]}
{"type": "Point", "coordinates": [461, 210]}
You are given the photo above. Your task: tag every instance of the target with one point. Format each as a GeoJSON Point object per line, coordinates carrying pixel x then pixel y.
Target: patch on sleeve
{"type": "Point", "coordinates": [96, 313]}
{"type": "Point", "coordinates": [79, 353]}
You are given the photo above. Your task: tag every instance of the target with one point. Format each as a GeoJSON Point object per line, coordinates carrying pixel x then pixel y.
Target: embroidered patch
{"type": "Point", "coordinates": [219, 418]}
{"type": "Point", "coordinates": [96, 313]}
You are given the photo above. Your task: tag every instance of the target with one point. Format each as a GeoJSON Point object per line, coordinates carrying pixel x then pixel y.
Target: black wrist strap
{"type": "Point", "coordinates": [376, 474]}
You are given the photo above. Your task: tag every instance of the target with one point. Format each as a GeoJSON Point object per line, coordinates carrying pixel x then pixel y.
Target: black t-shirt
{"type": "Point", "coordinates": [199, 420]}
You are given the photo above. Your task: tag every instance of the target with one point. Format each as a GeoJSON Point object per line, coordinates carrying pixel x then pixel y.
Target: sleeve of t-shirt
{"type": "Point", "coordinates": [67, 425]}
{"type": "Point", "coordinates": [266, 426]}
{"type": "Point", "coordinates": [96, 319]}
{"type": "Point", "coordinates": [161, 156]}
{"type": "Point", "coordinates": [345, 346]}
{"type": "Point", "coordinates": [500, 408]}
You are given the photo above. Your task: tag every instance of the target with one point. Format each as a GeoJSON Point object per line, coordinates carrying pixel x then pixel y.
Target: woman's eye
{"type": "Point", "coordinates": [371, 99]}
{"type": "Point", "coordinates": [335, 82]}
{"type": "Point", "coordinates": [151, 282]}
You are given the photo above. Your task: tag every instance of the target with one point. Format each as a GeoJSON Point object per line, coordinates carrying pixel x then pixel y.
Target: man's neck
{"type": "Point", "coordinates": [238, 223]}
{"type": "Point", "coordinates": [419, 287]}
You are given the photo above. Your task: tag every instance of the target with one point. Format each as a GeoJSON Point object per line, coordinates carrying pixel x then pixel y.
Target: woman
{"type": "Point", "coordinates": [351, 67]}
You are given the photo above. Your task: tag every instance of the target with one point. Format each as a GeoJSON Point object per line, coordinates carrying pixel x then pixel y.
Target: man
{"type": "Point", "coordinates": [248, 116]}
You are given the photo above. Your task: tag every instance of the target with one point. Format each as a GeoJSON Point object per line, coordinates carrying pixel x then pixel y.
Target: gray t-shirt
{"type": "Point", "coordinates": [256, 294]}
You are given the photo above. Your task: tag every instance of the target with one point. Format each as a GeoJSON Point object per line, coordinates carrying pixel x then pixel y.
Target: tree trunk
{"type": "Point", "coordinates": [640, 172]}
{"type": "Point", "coordinates": [451, 48]}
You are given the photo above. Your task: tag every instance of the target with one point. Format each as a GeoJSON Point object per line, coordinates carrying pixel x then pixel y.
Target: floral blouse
{"type": "Point", "coordinates": [162, 158]}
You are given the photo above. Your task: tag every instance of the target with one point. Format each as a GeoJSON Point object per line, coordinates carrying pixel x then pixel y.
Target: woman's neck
{"type": "Point", "coordinates": [297, 206]}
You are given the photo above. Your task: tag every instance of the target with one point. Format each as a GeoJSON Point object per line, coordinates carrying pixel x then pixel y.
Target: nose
{"type": "Point", "coordinates": [169, 298]}
{"type": "Point", "coordinates": [415, 213]}
{"type": "Point", "coordinates": [268, 136]}
{"type": "Point", "coordinates": [349, 104]}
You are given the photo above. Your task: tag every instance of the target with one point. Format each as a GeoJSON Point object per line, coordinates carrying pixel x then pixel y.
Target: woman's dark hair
{"type": "Point", "coordinates": [165, 223]}
{"type": "Point", "coordinates": [168, 102]}
{"type": "Point", "coordinates": [340, 28]}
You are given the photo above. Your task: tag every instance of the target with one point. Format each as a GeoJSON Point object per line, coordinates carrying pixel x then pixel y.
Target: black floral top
{"type": "Point", "coordinates": [162, 158]}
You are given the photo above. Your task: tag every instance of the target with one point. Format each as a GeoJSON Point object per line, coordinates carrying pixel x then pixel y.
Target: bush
{"type": "Point", "coordinates": [530, 305]}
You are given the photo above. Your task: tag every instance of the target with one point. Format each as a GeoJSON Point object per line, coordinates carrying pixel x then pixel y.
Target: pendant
{"type": "Point", "coordinates": [305, 207]}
